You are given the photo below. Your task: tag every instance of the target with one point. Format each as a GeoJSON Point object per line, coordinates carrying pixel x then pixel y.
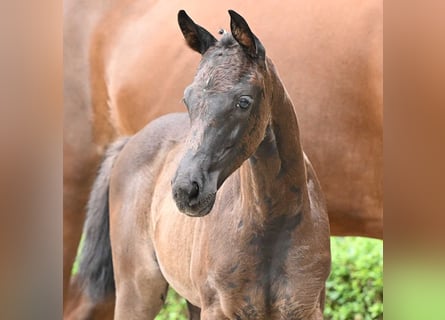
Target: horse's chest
{"type": "Point", "coordinates": [259, 282]}
{"type": "Point", "coordinates": [258, 298]}
{"type": "Point", "coordinates": [253, 270]}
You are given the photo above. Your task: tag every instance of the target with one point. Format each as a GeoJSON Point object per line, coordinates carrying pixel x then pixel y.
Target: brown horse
{"type": "Point", "coordinates": [116, 57]}
{"type": "Point", "coordinates": [253, 242]}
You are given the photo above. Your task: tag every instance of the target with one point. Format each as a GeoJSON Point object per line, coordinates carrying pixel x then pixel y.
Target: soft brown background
{"type": "Point", "coordinates": [30, 159]}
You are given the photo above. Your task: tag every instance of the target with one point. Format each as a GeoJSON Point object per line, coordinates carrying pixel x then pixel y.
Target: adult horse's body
{"type": "Point", "coordinates": [330, 57]}
{"type": "Point", "coordinates": [330, 54]}
{"type": "Point", "coordinates": [253, 242]}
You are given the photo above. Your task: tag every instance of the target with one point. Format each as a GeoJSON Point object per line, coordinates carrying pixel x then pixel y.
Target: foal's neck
{"type": "Point", "coordinates": [276, 174]}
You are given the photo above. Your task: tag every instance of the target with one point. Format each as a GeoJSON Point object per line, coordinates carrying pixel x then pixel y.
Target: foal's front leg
{"type": "Point", "coordinates": [140, 286]}
{"type": "Point", "coordinates": [140, 290]}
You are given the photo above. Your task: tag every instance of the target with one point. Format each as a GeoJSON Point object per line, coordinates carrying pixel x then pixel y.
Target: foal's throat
{"type": "Point", "coordinates": [275, 175]}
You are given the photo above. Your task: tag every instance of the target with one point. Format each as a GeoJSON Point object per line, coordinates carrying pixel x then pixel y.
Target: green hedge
{"type": "Point", "coordinates": [175, 308]}
{"type": "Point", "coordinates": [354, 289]}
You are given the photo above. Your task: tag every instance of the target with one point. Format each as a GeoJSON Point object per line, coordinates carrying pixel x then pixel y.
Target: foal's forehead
{"type": "Point", "coordinates": [225, 65]}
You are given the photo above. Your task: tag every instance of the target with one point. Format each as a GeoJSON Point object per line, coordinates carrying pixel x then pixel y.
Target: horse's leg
{"type": "Point", "coordinates": [78, 174]}
{"type": "Point", "coordinates": [194, 311]}
{"type": "Point", "coordinates": [141, 289]}
{"type": "Point", "coordinates": [317, 315]}
{"type": "Point", "coordinates": [79, 306]}
{"type": "Point", "coordinates": [142, 297]}
{"type": "Point", "coordinates": [73, 217]}
{"type": "Point", "coordinates": [322, 298]}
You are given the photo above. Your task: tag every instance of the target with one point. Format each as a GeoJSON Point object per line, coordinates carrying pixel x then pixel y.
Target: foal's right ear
{"type": "Point", "coordinates": [197, 38]}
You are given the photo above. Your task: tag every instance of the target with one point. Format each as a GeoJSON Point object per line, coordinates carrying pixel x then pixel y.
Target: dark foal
{"type": "Point", "coordinates": [253, 242]}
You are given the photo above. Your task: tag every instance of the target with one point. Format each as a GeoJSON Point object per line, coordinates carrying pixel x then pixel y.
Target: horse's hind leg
{"type": "Point", "coordinates": [80, 306]}
{"type": "Point", "coordinates": [79, 166]}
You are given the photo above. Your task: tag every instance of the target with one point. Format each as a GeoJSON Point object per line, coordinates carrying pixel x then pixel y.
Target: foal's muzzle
{"type": "Point", "coordinates": [191, 197]}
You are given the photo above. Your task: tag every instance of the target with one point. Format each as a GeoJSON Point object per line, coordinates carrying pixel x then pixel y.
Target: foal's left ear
{"type": "Point", "coordinates": [245, 37]}
{"type": "Point", "coordinates": [197, 38]}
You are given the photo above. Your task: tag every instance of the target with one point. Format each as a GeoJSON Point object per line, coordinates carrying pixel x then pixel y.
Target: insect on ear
{"type": "Point", "coordinates": [197, 38]}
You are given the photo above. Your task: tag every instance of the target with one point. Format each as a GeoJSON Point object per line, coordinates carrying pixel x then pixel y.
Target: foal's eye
{"type": "Point", "coordinates": [244, 102]}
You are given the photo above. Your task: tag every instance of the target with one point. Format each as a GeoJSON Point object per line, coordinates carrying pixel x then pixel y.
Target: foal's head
{"type": "Point", "coordinates": [228, 111]}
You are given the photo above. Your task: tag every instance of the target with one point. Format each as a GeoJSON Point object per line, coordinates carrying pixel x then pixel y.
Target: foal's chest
{"type": "Point", "coordinates": [257, 295]}
{"type": "Point", "coordinates": [260, 280]}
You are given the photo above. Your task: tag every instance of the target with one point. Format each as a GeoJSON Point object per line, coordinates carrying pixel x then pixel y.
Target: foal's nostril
{"type": "Point", "coordinates": [194, 191]}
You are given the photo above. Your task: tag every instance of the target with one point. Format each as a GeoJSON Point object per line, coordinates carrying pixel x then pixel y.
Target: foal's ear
{"type": "Point", "coordinates": [245, 37]}
{"type": "Point", "coordinates": [197, 38]}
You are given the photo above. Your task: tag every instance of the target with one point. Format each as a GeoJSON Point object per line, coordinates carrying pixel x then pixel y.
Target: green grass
{"type": "Point", "coordinates": [175, 308]}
